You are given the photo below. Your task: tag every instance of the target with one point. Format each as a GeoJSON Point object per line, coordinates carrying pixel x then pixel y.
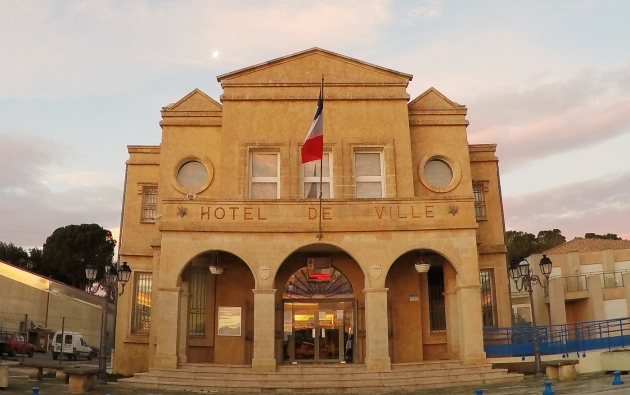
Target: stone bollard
{"type": "Point", "coordinates": [35, 390]}
{"type": "Point", "coordinates": [548, 390]}
{"type": "Point", "coordinates": [479, 392]}
{"type": "Point", "coordinates": [617, 378]}
{"type": "Point", "coordinates": [4, 376]}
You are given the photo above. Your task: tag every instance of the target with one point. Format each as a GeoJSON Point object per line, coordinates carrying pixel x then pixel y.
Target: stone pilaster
{"type": "Point", "coordinates": [377, 347]}
{"type": "Point", "coordinates": [470, 324]}
{"type": "Point", "coordinates": [167, 325]}
{"type": "Point", "coordinates": [183, 323]}
{"type": "Point", "coordinates": [595, 298]}
{"type": "Point", "coordinates": [557, 308]}
{"type": "Point", "coordinates": [264, 330]}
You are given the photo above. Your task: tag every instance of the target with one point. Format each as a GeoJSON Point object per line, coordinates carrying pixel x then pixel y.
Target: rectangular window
{"type": "Point", "coordinates": [480, 207]}
{"type": "Point", "coordinates": [488, 303]}
{"type": "Point", "coordinates": [141, 310]}
{"type": "Point", "coordinates": [264, 175]}
{"type": "Point", "coordinates": [437, 306]}
{"type": "Point", "coordinates": [149, 202]}
{"type": "Point", "coordinates": [311, 172]}
{"type": "Point", "coordinates": [369, 177]}
{"type": "Point", "coordinates": [197, 317]}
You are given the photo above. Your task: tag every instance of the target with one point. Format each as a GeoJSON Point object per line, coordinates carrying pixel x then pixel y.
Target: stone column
{"type": "Point", "coordinates": [557, 308]}
{"type": "Point", "coordinates": [264, 330]}
{"type": "Point", "coordinates": [626, 287]}
{"type": "Point", "coordinates": [595, 298]}
{"type": "Point", "coordinates": [470, 324]}
{"type": "Point", "coordinates": [377, 347]}
{"type": "Point", "coordinates": [167, 323]}
{"type": "Point", "coordinates": [183, 323]}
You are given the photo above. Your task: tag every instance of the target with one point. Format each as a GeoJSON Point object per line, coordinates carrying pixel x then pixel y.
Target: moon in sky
{"type": "Point", "coordinates": [215, 54]}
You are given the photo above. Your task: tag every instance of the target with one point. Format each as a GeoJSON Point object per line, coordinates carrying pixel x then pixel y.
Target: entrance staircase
{"type": "Point", "coordinates": [333, 378]}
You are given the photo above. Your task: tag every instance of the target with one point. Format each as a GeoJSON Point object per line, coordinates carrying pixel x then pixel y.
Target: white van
{"type": "Point", "coordinates": [74, 346]}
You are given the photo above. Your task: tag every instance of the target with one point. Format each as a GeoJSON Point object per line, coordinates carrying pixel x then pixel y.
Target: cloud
{"type": "Point", "coordinates": [599, 206]}
{"type": "Point", "coordinates": [553, 117]}
{"type": "Point", "coordinates": [30, 210]}
{"type": "Point", "coordinates": [427, 11]}
{"type": "Point", "coordinates": [67, 49]}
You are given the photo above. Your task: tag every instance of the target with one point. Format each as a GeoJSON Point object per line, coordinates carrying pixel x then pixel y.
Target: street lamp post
{"type": "Point", "coordinates": [114, 275]}
{"type": "Point", "coordinates": [525, 279]}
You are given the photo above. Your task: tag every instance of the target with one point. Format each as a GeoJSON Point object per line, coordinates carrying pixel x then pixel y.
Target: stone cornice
{"type": "Point", "coordinates": [143, 149]}
{"type": "Point", "coordinates": [328, 97]}
{"type": "Point", "coordinates": [491, 249]}
{"type": "Point", "coordinates": [437, 122]}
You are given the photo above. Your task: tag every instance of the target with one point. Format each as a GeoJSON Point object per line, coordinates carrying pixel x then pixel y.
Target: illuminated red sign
{"type": "Point", "coordinates": [318, 269]}
{"type": "Point", "coordinates": [319, 276]}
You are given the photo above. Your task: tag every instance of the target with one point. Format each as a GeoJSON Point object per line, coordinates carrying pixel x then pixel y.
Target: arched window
{"type": "Point", "coordinates": [300, 287]}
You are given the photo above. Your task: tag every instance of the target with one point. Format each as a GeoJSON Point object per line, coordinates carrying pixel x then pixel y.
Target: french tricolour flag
{"type": "Point", "coordinates": [313, 148]}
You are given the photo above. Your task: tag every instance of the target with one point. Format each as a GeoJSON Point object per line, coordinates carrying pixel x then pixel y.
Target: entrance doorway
{"type": "Point", "coordinates": [317, 331]}
{"type": "Point", "coordinates": [318, 316]}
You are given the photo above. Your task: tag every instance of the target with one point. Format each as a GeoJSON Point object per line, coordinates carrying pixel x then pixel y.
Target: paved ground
{"type": "Point", "coordinates": [594, 383]}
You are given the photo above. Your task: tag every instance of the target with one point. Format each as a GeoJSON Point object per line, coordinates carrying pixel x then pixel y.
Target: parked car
{"type": "Point", "coordinates": [74, 346]}
{"type": "Point", "coordinates": [14, 343]}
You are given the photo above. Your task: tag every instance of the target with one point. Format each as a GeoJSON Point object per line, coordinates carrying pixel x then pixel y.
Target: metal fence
{"type": "Point", "coordinates": [577, 337]}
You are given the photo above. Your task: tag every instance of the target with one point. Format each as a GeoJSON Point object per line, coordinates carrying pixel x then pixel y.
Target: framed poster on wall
{"type": "Point", "coordinates": [229, 321]}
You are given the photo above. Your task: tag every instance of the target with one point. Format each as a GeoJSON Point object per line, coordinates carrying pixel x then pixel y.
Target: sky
{"type": "Point", "coordinates": [548, 82]}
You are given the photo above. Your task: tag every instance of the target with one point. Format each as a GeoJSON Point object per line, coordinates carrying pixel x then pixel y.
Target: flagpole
{"type": "Point", "coordinates": [321, 167]}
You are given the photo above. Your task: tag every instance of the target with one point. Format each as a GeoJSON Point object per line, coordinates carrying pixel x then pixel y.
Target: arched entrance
{"type": "Point", "coordinates": [320, 314]}
{"type": "Point", "coordinates": [218, 309]}
{"type": "Point", "coordinates": [418, 306]}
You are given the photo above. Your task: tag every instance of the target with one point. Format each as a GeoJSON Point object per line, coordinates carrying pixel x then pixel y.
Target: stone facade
{"type": "Point", "coordinates": [402, 185]}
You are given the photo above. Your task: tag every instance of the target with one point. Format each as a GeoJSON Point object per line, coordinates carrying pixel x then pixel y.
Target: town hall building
{"type": "Point", "coordinates": [238, 264]}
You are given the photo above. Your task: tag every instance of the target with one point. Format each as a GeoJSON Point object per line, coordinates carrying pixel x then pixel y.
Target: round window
{"type": "Point", "coordinates": [438, 173]}
{"type": "Point", "coordinates": [192, 175]}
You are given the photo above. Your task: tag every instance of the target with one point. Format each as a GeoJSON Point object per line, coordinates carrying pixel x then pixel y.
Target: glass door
{"type": "Point", "coordinates": [304, 331]}
{"type": "Point", "coordinates": [328, 323]}
{"type": "Point", "coordinates": [318, 332]}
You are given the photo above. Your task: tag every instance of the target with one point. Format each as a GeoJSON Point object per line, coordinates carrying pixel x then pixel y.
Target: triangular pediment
{"type": "Point", "coordinates": [432, 99]}
{"type": "Point", "coordinates": [195, 101]}
{"type": "Point", "coordinates": [309, 66]}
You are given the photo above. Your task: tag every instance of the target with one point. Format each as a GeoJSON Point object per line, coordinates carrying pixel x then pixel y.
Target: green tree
{"type": "Point", "coordinates": [519, 245]}
{"type": "Point", "coordinates": [14, 255]}
{"type": "Point", "coordinates": [608, 236]}
{"type": "Point", "coordinates": [547, 239]}
{"type": "Point", "coordinates": [70, 248]}
{"type": "Point", "coordinates": [35, 260]}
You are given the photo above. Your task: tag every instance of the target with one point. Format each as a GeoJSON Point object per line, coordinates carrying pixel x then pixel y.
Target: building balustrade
{"type": "Point", "coordinates": [577, 282]}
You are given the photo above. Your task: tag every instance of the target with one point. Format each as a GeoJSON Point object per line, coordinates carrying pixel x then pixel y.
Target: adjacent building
{"type": "Point", "coordinates": [30, 301]}
{"type": "Point", "coordinates": [590, 281]}
{"type": "Point", "coordinates": [236, 261]}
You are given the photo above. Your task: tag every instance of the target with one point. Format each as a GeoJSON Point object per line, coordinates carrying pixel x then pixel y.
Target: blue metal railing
{"type": "Point", "coordinates": [576, 337]}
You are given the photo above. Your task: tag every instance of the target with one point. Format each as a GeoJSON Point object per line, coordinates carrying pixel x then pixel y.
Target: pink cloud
{"type": "Point", "coordinates": [599, 206]}
{"type": "Point", "coordinates": [552, 118]}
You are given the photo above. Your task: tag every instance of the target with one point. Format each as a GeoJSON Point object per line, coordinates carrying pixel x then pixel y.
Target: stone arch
{"type": "Point", "coordinates": [320, 247]}
{"type": "Point", "coordinates": [426, 250]}
{"type": "Point", "coordinates": [334, 338]}
{"type": "Point", "coordinates": [420, 310]}
{"type": "Point", "coordinates": [215, 284]}
{"type": "Point", "coordinates": [177, 256]}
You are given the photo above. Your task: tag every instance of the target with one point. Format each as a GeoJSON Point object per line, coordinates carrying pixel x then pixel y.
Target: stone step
{"type": "Point", "coordinates": [385, 379]}
{"type": "Point", "coordinates": [324, 387]}
{"type": "Point", "coordinates": [317, 376]}
{"type": "Point", "coordinates": [320, 378]}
